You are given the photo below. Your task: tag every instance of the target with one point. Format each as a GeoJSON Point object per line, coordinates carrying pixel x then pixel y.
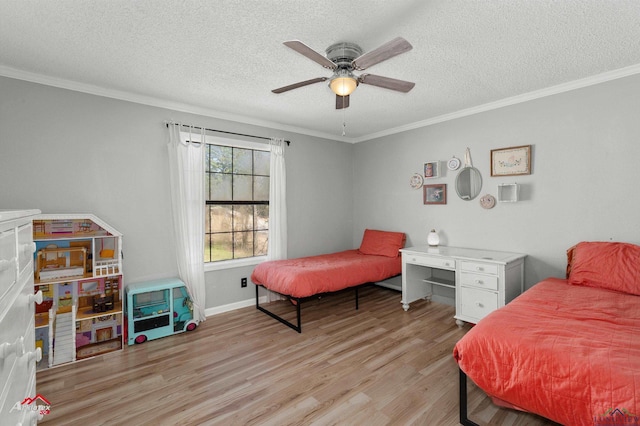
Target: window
{"type": "Point", "coordinates": [236, 201]}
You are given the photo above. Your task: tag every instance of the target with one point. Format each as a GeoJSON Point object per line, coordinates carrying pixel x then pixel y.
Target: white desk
{"type": "Point", "coordinates": [482, 280]}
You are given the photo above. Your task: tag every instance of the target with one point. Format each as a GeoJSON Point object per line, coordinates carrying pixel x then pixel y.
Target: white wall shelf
{"type": "Point", "coordinates": [508, 192]}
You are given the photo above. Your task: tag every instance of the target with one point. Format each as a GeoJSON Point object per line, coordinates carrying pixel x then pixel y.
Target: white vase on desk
{"type": "Point", "coordinates": [433, 239]}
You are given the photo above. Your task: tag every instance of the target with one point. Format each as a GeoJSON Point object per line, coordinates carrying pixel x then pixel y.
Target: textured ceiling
{"type": "Point", "coordinates": [222, 58]}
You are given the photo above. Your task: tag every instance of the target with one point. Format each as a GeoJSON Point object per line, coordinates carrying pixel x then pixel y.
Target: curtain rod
{"type": "Point", "coordinates": [224, 131]}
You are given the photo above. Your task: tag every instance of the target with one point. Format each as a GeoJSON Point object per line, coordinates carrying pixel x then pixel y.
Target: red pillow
{"type": "Point", "coordinates": [615, 266]}
{"type": "Point", "coordinates": [382, 243]}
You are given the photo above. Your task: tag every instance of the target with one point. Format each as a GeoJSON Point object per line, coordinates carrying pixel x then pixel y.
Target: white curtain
{"type": "Point", "coordinates": [277, 202]}
{"type": "Point", "coordinates": [186, 172]}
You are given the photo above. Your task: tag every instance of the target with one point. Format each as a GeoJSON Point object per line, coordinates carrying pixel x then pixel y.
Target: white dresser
{"type": "Point", "coordinates": [480, 281]}
{"type": "Point", "coordinates": [18, 355]}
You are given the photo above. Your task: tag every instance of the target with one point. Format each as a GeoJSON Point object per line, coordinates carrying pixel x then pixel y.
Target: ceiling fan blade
{"type": "Point", "coordinates": [305, 50]}
{"type": "Point", "coordinates": [300, 84]}
{"type": "Point", "coordinates": [388, 50]}
{"type": "Point", "coordinates": [386, 82]}
{"type": "Point", "coordinates": [342, 102]}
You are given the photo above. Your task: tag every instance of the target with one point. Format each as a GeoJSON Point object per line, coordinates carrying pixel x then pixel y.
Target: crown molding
{"type": "Point", "coordinates": [525, 97]}
{"type": "Point", "coordinates": [176, 106]}
{"type": "Point", "coordinates": [157, 102]}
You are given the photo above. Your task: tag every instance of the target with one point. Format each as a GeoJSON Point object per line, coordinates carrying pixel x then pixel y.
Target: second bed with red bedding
{"type": "Point", "coordinates": [568, 350]}
{"type": "Point", "coordinates": [377, 259]}
{"type": "Point", "coordinates": [307, 276]}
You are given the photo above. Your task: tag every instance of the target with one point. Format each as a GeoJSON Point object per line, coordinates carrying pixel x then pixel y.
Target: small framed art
{"type": "Point", "coordinates": [431, 169]}
{"type": "Point", "coordinates": [435, 194]}
{"type": "Point", "coordinates": [88, 287]}
{"type": "Point", "coordinates": [511, 161]}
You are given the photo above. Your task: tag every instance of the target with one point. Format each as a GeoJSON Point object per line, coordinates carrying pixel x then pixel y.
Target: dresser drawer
{"type": "Point", "coordinates": [18, 316]}
{"type": "Point", "coordinates": [17, 367]}
{"type": "Point", "coordinates": [489, 282]}
{"type": "Point", "coordinates": [477, 303]}
{"type": "Point", "coordinates": [17, 387]}
{"type": "Point", "coordinates": [432, 261]}
{"type": "Point", "coordinates": [8, 261]}
{"type": "Point", "coordinates": [26, 248]}
{"type": "Point", "coordinates": [483, 268]}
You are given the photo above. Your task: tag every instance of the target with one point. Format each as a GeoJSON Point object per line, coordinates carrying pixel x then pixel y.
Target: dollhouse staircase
{"type": "Point", "coordinates": [63, 344]}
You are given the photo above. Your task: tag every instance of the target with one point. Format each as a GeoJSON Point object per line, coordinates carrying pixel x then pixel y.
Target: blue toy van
{"type": "Point", "coordinates": [157, 309]}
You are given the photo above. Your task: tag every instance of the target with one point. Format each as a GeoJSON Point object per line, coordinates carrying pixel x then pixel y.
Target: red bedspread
{"type": "Point", "coordinates": [569, 353]}
{"type": "Point", "coordinates": [307, 276]}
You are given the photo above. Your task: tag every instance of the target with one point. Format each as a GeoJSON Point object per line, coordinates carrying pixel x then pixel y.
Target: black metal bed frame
{"type": "Point", "coordinates": [297, 301]}
{"type": "Point", "coordinates": [464, 419]}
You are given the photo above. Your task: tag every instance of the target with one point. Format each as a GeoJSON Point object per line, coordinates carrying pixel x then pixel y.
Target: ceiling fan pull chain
{"type": "Point", "coordinates": [344, 123]}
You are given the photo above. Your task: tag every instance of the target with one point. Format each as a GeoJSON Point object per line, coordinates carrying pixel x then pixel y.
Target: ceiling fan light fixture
{"type": "Point", "coordinates": [343, 58]}
{"type": "Point", "coordinates": [343, 83]}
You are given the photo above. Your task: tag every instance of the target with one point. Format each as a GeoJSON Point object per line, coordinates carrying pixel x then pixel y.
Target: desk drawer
{"type": "Point", "coordinates": [477, 303]}
{"type": "Point", "coordinates": [432, 261]}
{"type": "Point", "coordinates": [488, 282]}
{"type": "Point", "coordinates": [483, 268]}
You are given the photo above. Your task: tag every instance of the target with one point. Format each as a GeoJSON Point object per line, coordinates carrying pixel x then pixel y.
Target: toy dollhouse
{"type": "Point", "coordinates": [78, 269]}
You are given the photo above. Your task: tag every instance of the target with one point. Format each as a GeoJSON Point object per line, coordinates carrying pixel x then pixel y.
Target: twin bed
{"type": "Point", "coordinates": [377, 259]}
{"type": "Point", "coordinates": [566, 349]}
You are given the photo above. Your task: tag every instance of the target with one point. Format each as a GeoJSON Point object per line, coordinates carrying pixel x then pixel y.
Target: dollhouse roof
{"type": "Point", "coordinates": [81, 217]}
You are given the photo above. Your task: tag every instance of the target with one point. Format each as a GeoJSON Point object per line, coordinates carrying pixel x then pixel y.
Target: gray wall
{"type": "Point", "coordinates": [68, 152]}
{"type": "Point", "coordinates": [586, 149]}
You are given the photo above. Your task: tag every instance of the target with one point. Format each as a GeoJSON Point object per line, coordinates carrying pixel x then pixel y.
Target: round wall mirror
{"type": "Point", "coordinates": [468, 183]}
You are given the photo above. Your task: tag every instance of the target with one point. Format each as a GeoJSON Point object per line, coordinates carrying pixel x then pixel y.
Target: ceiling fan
{"type": "Point", "coordinates": [344, 58]}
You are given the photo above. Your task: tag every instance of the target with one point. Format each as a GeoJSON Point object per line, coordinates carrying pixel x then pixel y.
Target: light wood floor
{"type": "Point", "coordinates": [376, 366]}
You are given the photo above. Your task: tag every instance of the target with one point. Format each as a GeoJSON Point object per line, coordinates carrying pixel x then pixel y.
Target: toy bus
{"type": "Point", "coordinates": [157, 309]}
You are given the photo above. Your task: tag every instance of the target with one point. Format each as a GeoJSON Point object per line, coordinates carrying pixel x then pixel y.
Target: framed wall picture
{"type": "Point", "coordinates": [431, 169]}
{"type": "Point", "coordinates": [515, 160]}
{"type": "Point", "coordinates": [435, 194]}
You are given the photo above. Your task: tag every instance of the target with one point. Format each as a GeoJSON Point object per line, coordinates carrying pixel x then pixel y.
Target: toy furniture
{"type": "Point", "coordinates": [79, 272]}
{"type": "Point", "coordinates": [54, 262]}
{"type": "Point", "coordinates": [156, 309]}
{"type": "Point", "coordinates": [102, 303]}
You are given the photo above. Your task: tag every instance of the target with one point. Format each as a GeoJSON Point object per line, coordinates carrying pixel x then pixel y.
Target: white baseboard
{"type": "Point", "coordinates": [233, 306]}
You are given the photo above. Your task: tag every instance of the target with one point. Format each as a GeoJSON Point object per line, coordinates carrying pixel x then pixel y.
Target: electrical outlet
{"type": "Point", "coordinates": [243, 282]}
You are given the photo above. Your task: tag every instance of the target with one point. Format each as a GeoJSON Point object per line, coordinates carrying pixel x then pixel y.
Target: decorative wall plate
{"type": "Point", "coordinates": [453, 163]}
{"type": "Point", "coordinates": [416, 181]}
{"type": "Point", "coordinates": [487, 201]}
